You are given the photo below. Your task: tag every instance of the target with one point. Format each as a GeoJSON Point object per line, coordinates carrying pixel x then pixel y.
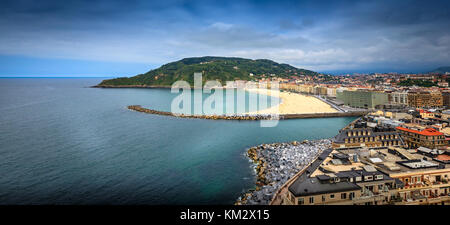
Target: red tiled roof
{"type": "Point", "coordinates": [443, 157]}
{"type": "Point", "coordinates": [424, 111]}
{"type": "Point", "coordinates": [427, 131]}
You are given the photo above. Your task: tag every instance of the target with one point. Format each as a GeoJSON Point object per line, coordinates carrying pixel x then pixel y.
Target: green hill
{"type": "Point", "coordinates": [443, 69]}
{"type": "Point", "coordinates": [420, 83]}
{"type": "Point", "coordinates": [213, 68]}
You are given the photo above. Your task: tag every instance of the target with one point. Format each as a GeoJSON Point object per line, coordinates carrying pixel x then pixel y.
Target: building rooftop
{"type": "Point", "coordinates": [426, 132]}
{"type": "Point", "coordinates": [312, 186]}
{"type": "Point", "coordinates": [418, 164]}
{"type": "Point", "coordinates": [443, 158]}
{"type": "Point", "coordinates": [325, 177]}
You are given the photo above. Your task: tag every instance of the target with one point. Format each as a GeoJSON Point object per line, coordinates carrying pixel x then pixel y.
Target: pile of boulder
{"type": "Point", "coordinates": [275, 164]}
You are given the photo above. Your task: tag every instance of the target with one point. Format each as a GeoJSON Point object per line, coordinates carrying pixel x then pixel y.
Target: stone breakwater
{"type": "Point", "coordinates": [139, 108]}
{"type": "Point", "coordinates": [275, 164]}
{"type": "Point", "coordinates": [210, 117]}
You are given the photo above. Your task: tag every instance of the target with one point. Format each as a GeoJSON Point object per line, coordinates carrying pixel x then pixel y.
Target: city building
{"type": "Point", "coordinates": [425, 99]}
{"type": "Point", "coordinates": [331, 92]}
{"type": "Point", "coordinates": [427, 137]}
{"type": "Point", "coordinates": [398, 98]}
{"type": "Point", "coordinates": [446, 98]}
{"type": "Point", "coordinates": [363, 98]}
{"type": "Point", "coordinates": [363, 133]}
{"type": "Point", "coordinates": [371, 177]}
{"type": "Point", "coordinates": [445, 114]}
{"type": "Point", "coordinates": [366, 137]}
{"type": "Point", "coordinates": [425, 114]}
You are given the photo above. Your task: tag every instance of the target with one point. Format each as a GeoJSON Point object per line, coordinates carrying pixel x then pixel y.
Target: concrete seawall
{"type": "Point", "coordinates": [322, 115]}
{"type": "Point", "coordinates": [139, 108]}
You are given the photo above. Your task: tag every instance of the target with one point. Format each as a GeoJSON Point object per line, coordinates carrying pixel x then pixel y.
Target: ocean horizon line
{"type": "Point", "coordinates": [50, 77]}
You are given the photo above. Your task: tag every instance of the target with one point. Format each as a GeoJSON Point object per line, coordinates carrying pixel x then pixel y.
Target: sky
{"type": "Point", "coordinates": [125, 38]}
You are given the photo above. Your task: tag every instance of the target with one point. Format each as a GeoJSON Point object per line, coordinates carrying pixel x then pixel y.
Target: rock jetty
{"type": "Point", "coordinates": [209, 117]}
{"type": "Point", "coordinates": [275, 164]}
{"type": "Point", "coordinates": [139, 108]}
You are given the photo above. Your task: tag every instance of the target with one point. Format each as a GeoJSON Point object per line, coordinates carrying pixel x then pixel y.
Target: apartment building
{"type": "Point", "coordinates": [366, 137]}
{"type": "Point", "coordinates": [446, 98]}
{"type": "Point", "coordinates": [371, 177]}
{"type": "Point", "coordinates": [398, 98]}
{"type": "Point", "coordinates": [425, 99]}
{"type": "Point", "coordinates": [428, 137]}
{"type": "Point", "coordinates": [363, 98]}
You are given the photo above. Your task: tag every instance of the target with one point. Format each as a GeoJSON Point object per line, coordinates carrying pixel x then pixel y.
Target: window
{"type": "Point", "coordinates": [438, 178]}
{"type": "Point", "coordinates": [352, 195]}
{"type": "Point", "coordinates": [300, 201]}
{"type": "Point", "coordinates": [323, 198]}
{"type": "Point", "coordinates": [343, 195]}
{"type": "Point", "coordinates": [332, 196]}
{"type": "Point", "coordinates": [311, 200]}
{"type": "Point", "coordinates": [380, 187]}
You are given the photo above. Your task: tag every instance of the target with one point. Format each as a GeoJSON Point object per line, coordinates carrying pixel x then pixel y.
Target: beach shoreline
{"type": "Point", "coordinates": [292, 103]}
{"type": "Point", "coordinates": [291, 106]}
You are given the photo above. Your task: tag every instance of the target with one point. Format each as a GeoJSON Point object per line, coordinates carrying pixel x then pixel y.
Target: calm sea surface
{"type": "Point", "coordinates": [64, 143]}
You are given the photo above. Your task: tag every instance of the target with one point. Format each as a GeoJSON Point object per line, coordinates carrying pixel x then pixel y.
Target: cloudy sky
{"type": "Point", "coordinates": [124, 38]}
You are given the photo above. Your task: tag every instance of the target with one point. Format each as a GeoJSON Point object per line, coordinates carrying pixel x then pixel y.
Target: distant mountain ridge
{"type": "Point", "coordinates": [213, 68]}
{"type": "Point", "coordinates": [443, 69]}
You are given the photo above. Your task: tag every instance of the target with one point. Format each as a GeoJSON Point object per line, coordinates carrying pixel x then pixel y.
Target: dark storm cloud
{"type": "Point", "coordinates": [320, 35]}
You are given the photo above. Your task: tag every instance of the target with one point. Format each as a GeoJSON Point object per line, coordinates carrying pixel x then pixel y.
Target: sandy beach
{"type": "Point", "coordinates": [293, 103]}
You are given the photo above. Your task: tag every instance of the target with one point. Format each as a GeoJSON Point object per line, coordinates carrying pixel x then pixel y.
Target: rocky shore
{"type": "Point", "coordinates": [275, 164]}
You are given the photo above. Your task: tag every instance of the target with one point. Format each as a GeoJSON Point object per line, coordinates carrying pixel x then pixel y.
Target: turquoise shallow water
{"type": "Point", "coordinates": [63, 143]}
